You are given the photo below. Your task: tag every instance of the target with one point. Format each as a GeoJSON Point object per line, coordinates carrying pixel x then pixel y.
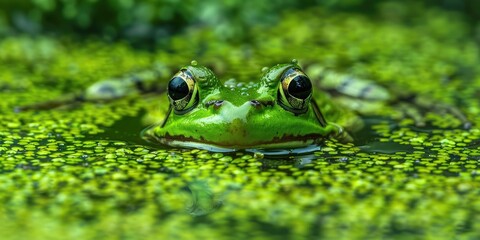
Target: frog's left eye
{"type": "Point", "coordinates": [182, 92]}
{"type": "Point", "coordinates": [295, 90]}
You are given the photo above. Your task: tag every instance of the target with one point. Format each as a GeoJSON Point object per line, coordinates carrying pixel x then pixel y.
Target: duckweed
{"type": "Point", "coordinates": [71, 172]}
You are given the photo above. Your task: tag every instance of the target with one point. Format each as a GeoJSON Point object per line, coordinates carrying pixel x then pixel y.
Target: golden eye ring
{"type": "Point", "coordinates": [182, 92]}
{"type": "Point", "coordinates": [295, 90]}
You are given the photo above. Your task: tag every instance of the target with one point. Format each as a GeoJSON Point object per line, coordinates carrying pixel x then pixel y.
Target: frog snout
{"type": "Point", "coordinates": [228, 111]}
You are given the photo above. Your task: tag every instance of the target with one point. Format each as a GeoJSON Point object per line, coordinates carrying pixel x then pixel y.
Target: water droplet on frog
{"type": "Point", "coordinates": [264, 69]}
{"type": "Point", "coordinates": [194, 63]}
{"type": "Point", "coordinates": [294, 61]}
{"type": "Point", "coordinates": [245, 94]}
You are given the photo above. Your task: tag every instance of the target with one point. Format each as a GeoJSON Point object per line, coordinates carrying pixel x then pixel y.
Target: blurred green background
{"type": "Point", "coordinates": [149, 22]}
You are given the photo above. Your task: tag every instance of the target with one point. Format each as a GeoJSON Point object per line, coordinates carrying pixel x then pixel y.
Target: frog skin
{"type": "Point", "coordinates": [275, 112]}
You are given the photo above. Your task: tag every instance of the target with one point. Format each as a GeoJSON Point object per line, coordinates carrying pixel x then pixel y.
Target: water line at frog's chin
{"type": "Point", "coordinates": [265, 152]}
{"type": "Point", "coordinates": [283, 152]}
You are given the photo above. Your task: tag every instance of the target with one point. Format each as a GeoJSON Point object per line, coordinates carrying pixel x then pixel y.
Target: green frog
{"type": "Point", "coordinates": [276, 112]}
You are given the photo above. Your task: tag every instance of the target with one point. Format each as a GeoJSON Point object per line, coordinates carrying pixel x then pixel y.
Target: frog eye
{"type": "Point", "coordinates": [295, 90]}
{"type": "Point", "coordinates": [182, 92]}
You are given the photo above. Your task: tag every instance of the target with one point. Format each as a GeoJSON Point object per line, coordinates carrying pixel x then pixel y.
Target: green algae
{"type": "Point", "coordinates": [69, 172]}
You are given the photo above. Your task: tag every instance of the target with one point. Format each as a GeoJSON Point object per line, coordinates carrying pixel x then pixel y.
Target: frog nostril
{"type": "Point", "coordinates": [255, 103]}
{"type": "Point", "coordinates": [218, 103]}
{"type": "Point", "coordinates": [215, 103]}
{"type": "Point", "coordinates": [258, 104]}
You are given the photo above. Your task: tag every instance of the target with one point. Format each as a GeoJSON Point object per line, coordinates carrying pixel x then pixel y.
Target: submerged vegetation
{"type": "Point", "coordinates": [82, 171]}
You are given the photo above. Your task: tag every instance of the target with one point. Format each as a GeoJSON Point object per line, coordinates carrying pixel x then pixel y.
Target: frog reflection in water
{"type": "Point", "coordinates": [276, 112]}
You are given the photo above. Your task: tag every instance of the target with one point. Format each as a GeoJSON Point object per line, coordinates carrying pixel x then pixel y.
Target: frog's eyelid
{"type": "Point", "coordinates": [187, 72]}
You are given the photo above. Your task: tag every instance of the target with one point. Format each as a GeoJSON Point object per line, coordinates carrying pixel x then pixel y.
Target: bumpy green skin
{"type": "Point", "coordinates": [238, 123]}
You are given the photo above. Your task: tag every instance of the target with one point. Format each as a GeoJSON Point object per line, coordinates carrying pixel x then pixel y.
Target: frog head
{"type": "Point", "coordinates": [275, 112]}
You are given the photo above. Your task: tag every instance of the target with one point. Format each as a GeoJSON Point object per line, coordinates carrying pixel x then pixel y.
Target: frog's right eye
{"type": "Point", "coordinates": [294, 91]}
{"type": "Point", "coordinates": [182, 92]}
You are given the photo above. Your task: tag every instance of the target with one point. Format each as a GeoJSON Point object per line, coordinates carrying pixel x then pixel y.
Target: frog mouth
{"type": "Point", "coordinates": [286, 142]}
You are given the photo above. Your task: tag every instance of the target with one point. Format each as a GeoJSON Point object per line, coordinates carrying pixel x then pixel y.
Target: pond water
{"type": "Point", "coordinates": [83, 170]}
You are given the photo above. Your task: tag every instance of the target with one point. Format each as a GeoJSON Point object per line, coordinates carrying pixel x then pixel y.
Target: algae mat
{"type": "Point", "coordinates": [82, 171]}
